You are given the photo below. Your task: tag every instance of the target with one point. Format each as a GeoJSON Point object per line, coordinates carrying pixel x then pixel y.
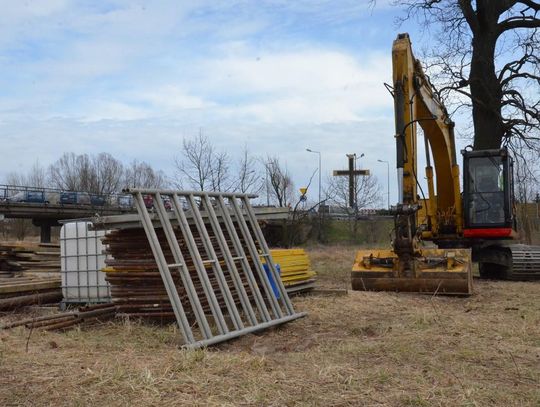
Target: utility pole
{"type": "Point", "coordinates": [267, 186]}
{"type": "Point", "coordinates": [317, 152]}
{"type": "Point", "coordinates": [319, 203]}
{"type": "Point", "coordinates": [387, 181]}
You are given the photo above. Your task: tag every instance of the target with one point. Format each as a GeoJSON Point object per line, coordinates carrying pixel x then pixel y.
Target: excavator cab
{"type": "Point", "coordinates": [488, 194]}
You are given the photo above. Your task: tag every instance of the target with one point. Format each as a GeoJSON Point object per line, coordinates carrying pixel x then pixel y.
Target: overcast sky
{"type": "Point", "coordinates": [133, 78]}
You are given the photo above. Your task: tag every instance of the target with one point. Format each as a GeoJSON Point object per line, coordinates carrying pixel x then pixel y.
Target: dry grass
{"type": "Point", "coordinates": [362, 349]}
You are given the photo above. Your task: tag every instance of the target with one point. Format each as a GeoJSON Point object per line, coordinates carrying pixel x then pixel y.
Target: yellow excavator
{"type": "Point", "coordinates": [439, 232]}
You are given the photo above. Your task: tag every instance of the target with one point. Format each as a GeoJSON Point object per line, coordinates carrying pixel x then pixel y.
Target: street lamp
{"type": "Point", "coordinates": [317, 152]}
{"type": "Point", "coordinates": [387, 179]}
{"type": "Point", "coordinates": [354, 183]}
{"type": "Point", "coordinates": [319, 232]}
{"type": "Point", "coordinates": [266, 181]}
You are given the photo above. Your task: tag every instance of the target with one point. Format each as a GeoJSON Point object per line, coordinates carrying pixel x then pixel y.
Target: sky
{"type": "Point", "coordinates": [133, 78]}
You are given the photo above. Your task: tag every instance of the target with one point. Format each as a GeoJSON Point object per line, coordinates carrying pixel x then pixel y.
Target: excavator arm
{"type": "Point", "coordinates": [437, 216]}
{"type": "Point", "coordinates": [416, 103]}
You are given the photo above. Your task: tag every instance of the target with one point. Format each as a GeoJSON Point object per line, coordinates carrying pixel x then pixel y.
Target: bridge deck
{"type": "Point", "coordinates": [132, 220]}
{"type": "Point", "coordinates": [49, 211]}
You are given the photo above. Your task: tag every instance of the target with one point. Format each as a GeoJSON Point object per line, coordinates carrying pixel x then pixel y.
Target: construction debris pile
{"type": "Point", "coordinates": [37, 258]}
{"type": "Point", "coordinates": [202, 261]}
{"type": "Point", "coordinates": [29, 274]}
{"type": "Point", "coordinates": [198, 261]}
{"type": "Point", "coordinates": [137, 287]}
{"type": "Point", "coordinates": [295, 267]}
{"type": "Point", "coordinates": [135, 283]}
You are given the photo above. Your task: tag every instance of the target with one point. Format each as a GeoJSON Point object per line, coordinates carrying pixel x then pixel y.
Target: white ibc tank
{"type": "Point", "coordinates": [82, 260]}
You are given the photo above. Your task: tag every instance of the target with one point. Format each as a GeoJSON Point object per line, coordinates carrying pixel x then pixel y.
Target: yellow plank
{"type": "Point", "coordinates": [298, 278]}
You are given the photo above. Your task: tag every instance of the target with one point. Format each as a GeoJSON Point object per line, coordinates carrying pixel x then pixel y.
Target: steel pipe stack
{"type": "Point", "coordinates": [65, 320]}
{"type": "Point", "coordinates": [136, 286]}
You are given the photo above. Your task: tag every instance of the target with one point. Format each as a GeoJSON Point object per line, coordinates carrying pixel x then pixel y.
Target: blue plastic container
{"type": "Point", "coordinates": [270, 276]}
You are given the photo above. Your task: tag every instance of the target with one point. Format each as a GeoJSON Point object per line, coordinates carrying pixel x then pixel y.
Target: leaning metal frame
{"type": "Point", "coordinates": [233, 214]}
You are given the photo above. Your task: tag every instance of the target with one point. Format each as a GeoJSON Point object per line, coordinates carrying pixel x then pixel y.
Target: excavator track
{"type": "Point", "coordinates": [525, 262]}
{"type": "Point", "coordinates": [510, 262]}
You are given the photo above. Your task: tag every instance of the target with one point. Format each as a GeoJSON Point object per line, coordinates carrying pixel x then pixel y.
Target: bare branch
{"type": "Point", "coordinates": [201, 167]}
{"type": "Point", "coordinates": [281, 185]}
{"type": "Point", "coordinates": [470, 38]}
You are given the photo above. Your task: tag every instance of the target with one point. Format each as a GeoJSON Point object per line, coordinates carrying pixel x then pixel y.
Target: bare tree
{"type": "Point", "coordinates": [201, 167]}
{"type": "Point", "coordinates": [219, 172]}
{"type": "Point", "coordinates": [140, 174]}
{"type": "Point", "coordinates": [280, 182]}
{"type": "Point", "coordinates": [367, 194]}
{"type": "Point", "coordinates": [16, 178]}
{"type": "Point", "coordinates": [71, 172]}
{"type": "Point", "coordinates": [107, 174]}
{"type": "Point", "coordinates": [526, 189]}
{"type": "Point", "coordinates": [248, 179]}
{"type": "Point", "coordinates": [299, 225]}
{"type": "Point", "coordinates": [485, 56]}
{"type": "Point", "coordinates": [36, 177]}
{"type": "Point", "coordinates": [101, 174]}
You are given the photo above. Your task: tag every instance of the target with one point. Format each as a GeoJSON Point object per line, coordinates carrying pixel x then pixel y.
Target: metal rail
{"type": "Point", "coordinates": [225, 245]}
{"type": "Point", "coordinates": [13, 194]}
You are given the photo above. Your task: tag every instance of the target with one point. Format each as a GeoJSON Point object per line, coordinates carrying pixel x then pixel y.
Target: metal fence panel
{"type": "Point", "coordinates": [220, 267]}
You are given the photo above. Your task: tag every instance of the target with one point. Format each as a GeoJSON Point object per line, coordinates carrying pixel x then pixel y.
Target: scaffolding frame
{"type": "Point", "coordinates": [235, 263]}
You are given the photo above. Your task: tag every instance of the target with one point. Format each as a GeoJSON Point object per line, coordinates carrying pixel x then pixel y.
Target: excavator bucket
{"type": "Point", "coordinates": [434, 271]}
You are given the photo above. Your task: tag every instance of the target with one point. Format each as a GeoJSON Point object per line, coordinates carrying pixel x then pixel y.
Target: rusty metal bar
{"type": "Point", "coordinates": [230, 261]}
{"type": "Point", "coordinates": [255, 258]}
{"type": "Point", "coordinates": [268, 257]}
{"type": "Point", "coordinates": [237, 244]}
{"type": "Point", "coordinates": [222, 282]}
{"type": "Point", "coordinates": [181, 264]}
{"type": "Point", "coordinates": [163, 268]}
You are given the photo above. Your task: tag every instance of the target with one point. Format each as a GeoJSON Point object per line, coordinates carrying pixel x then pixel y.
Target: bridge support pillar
{"type": "Point", "coordinates": [45, 233]}
{"type": "Point", "coordinates": [45, 229]}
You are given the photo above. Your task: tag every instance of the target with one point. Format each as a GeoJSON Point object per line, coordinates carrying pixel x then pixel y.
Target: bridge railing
{"type": "Point", "coordinates": [40, 195]}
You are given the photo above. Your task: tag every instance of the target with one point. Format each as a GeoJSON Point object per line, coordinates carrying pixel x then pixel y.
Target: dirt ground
{"type": "Point", "coordinates": [360, 349]}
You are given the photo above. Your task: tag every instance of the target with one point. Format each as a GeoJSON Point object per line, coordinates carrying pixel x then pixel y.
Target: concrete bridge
{"type": "Point", "coordinates": [46, 206]}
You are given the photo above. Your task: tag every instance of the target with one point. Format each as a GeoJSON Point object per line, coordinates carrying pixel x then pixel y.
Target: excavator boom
{"type": "Point", "coordinates": [411, 266]}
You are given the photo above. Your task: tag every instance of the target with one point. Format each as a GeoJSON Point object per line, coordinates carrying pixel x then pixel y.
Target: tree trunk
{"type": "Point", "coordinates": [486, 92]}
